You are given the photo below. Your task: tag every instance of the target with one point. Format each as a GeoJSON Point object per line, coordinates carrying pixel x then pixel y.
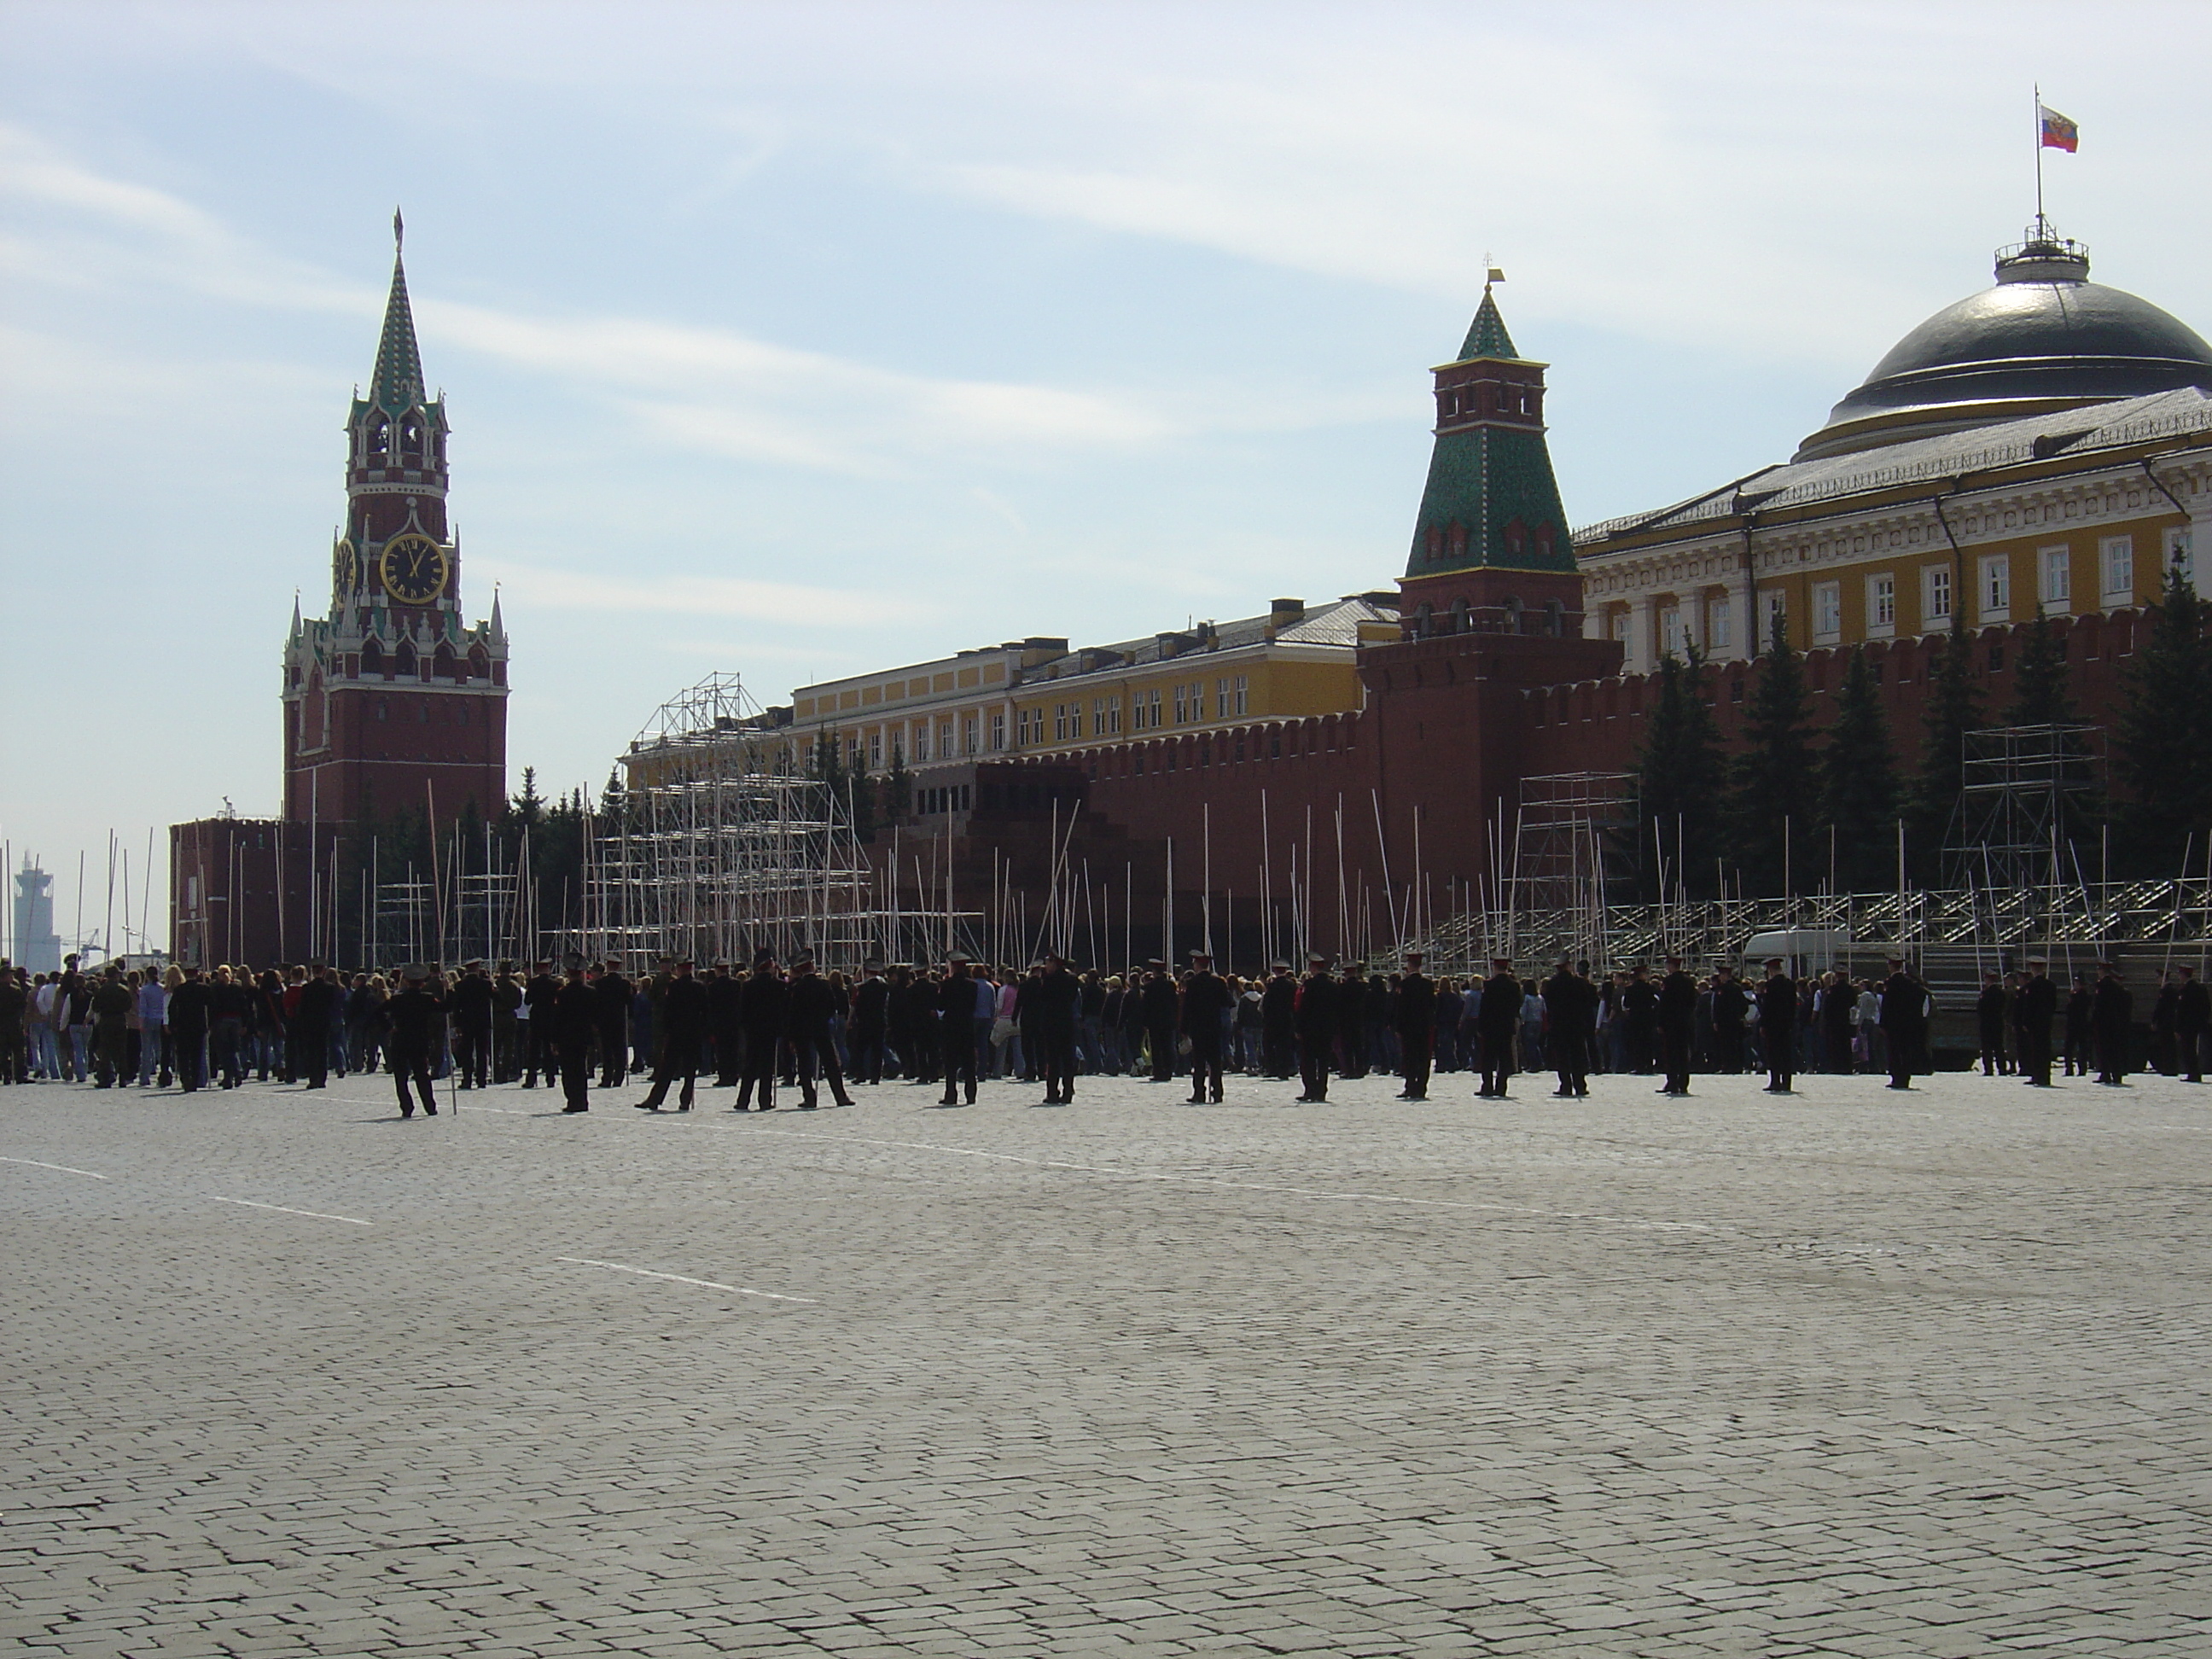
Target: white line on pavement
{"type": "Point", "coordinates": [317, 1214]}
{"type": "Point", "coordinates": [63, 1167]}
{"type": "Point", "coordinates": [648, 1272]}
{"type": "Point", "coordinates": [1255, 1185]}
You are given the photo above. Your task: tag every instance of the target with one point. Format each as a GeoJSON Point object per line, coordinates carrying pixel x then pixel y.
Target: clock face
{"type": "Point", "coordinates": [348, 564]}
{"type": "Point", "coordinates": [414, 569]}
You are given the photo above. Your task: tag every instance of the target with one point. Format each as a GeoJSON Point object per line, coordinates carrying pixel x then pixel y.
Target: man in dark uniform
{"type": "Point", "coordinates": [723, 1024]}
{"type": "Point", "coordinates": [1990, 1022]}
{"type": "Point", "coordinates": [2192, 1025]}
{"type": "Point", "coordinates": [1496, 1022]}
{"type": "Point", "coordinates": [505, 1029]}
{"type": "Point", "coordinates": [1414, 1015]}
{"type": "Point", "coordinates": [1731, 1003]}
{"type": "Point", "coordinates": [1571, 1004]}
{"type": "Point", "coordinates": [611, 995]}
{"type": "Point", "coordinates": [1205, 998]}
{"type": "Point", "coordinates": [473, 1001]}
{"type": "Point", "coordinates": [1778, 1025]}
{"type": "Point", "coordinates": [1278, 1024]}
{"type": "Point", "coordinates": [575, 1023]}
{"type": "Point", "coordinates": [1160, 1004]}
{"type": "Point", "coordinates": [684, 1018]}
{"type": "Point", "coordinates": [1316, 1014]}
{"type": "Point", "coordinates": [417, 1019]}
{"type": "Point", "coordinates": [310, 1048]}
{"type": "Point", "coordinates": [956, 1031]}
{"type": "Point", "coordinates": [2111, 1014]}
{"type": "Point", "coordinates": [812, 1008]}
{"type": "Point", "coordinates": [763, 1015]}
{"type": "Point", "coordinates": [1048, 1005]}
{"type": "Point", "coordinates": [2033, 1009]}
{"type": "Point", "coordinates": [1678, 1024]}
{"type": "Point", "coordinates": [1640, 1020]}
{"type": "Point", "coordinates": [1903, 1021]}
{"type": "Point", "coordinates": [537, 1027]}
{"type": "Point", "coordinates": [871, 999]}
{"type": "Point", "coordinates": [1351, 1020]}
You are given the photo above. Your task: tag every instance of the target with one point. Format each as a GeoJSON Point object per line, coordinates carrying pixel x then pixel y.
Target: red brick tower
{"type": "Point", "coordinates": [392, 704]}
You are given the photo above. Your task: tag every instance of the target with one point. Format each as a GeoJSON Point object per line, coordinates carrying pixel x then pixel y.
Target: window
{"type": "Point", "coordinates": [1670, 631]}
{"type": "Point", "coordinates": [1935, 594]}
{"type": "Point", "coordinates": [999, 729]}
{"type": "Point", "coordinates": [1240, 695]}
{"type": "Point", "coordinates": [1621, 620]}
{"type": "Point", "coordinates": [2115, 557]}
{"type": "Point", "coordinates": [1882, 606]}
{"type": "Point", "coordinates": [2180, 556]}
{"type": "Point", "coordinates": [969, 745]}
{"type": "Point", "coordinates": [1827, 612]}
{"type": "Point", "coordinates": [1777, 619]}
{"type": "Point", "coordinates": [1181, 707]}
{"type": "Point", "coordinates": [2055, 576]}
{"type": "Point", "coordinates": [1106, 717]}
{"type": "Point", "coordinates": [875, 749]}
{"type": "Point", "coordinates": [1155, 706]}
{"type": "Point", "coordinates": [1059, 722]}
{"type": "Point", "coordinates": [922, 741]}
{"type": "Point", "coordinates": [945, 740]}
{"type": "Point", "coordinates": [1221, 686]}
{"type": "Point", "coordinates": [1720, 625]}
{"type": "Point", "coordinates": [1995, 588]}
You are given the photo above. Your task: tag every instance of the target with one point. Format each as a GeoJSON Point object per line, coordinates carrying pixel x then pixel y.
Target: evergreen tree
{"type": "Point", "coordinates": [1774, 807]}
{"type": "Point", "coordinates": [1953, 710]}
{"type": "Point", "coordinates": [2040, 694]}
{"type": "Point", "coordinates": [1858, 784]}
{"type": "Point", "coordinates": [1679, 774]}
{"type": "Point", "coordinates": [527, 809]}
{"type": "Point", "coordinates": [614, 804]}
{"type": "Point", "coordinates": [898, 786]}
{"type": "Point", "coordinates": [2162, 744]}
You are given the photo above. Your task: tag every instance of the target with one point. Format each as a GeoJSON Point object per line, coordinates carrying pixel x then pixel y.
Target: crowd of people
{"type": "Point", "coordinates": [765, 1024]}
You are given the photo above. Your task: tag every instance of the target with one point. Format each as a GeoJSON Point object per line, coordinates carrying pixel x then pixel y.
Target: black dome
{"type": "Point", "coordinates": [2044, 338]}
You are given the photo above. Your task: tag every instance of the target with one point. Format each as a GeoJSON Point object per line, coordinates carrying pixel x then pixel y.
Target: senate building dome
{"type": "Point", "coordinates": [2046, 338]}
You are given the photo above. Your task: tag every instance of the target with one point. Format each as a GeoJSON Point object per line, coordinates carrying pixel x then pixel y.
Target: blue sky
{"type": "Point", "coordinates": [791, 339]}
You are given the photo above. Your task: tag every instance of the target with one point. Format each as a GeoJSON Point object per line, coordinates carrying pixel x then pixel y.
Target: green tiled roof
{"type": "Point", "coordinates": [398, 382]}
{"type": "Point", "coordinates": [1487, 338]}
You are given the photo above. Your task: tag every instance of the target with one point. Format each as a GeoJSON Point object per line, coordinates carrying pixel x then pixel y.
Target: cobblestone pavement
{"type": "Point", "coordinates": [1853, 1372]}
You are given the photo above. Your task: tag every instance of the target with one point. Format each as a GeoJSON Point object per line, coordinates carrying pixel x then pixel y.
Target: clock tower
{"type": "Point", "coordinates": [393, 704]}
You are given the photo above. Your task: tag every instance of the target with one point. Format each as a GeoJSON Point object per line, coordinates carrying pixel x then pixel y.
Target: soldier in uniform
{"type": "Point", "coordinates": [1205, 998]}
{"type": "Point", "coordinates": [505, 1029]}
{"type": "Point", "coordinates": [473, 1001]}
{"type": "Point", "coordinates": [871, 999]}
{"type": "Point", "coordinates": [1278, 1024]}
{"type": "Point", "coordinates": [575, 1023]}
{"type": "Point", "coordinates": [1351, 1018]}
{"type": "Point", "coordinates": [2112, 1011]}
{"type": "Point", "coordinates": [1903, 1021]}
{"type": "Point", "coordinates": [417, 1019]}
{"type": "Point", "coordinates": [1990, 1023]}
{"type": "Point", "coordinates": [1048, 1005]}
{"type": "Point", "coordinates": [1415, 1014]}
{"type": "Point", "coordinates": [763, 1014]}
{"type": "Point", "coordinates": [723, 1024]}
{"type": "Point", "coordinates": [811, 1007]}
{"type": "Point", "coordinates": [1731, 1002]}
{"type": "Point", "coordinates": [1497, 1022]}
{"type": "Point", "coordinates": [684, 1026]}
{"type": "Point", "coordinates": [318, 1011]}
{"type": "Point", "coordinates": [956, 1031]}
{"type": "Point", "coordinates": [1571, 1011]}
{"type": "Point", "coordinates": [2192, 1025]}
{"type": "Point", "coordinates": [611, 994]}
{"type": "Point", "coordinates": [2033, 1011]}
{"type": "Point", "coordinates": [1678, 1022]}
{"type": "Point", "coordinates": [538, 1035]}
{"type": "Point", "coordinates": [1316, 1014]}
{"type": "Point", "coordinates": [1778, 1025]}
{"type": "Point", "coordinates": [1161, 1005]}
{"type": "Point", "coordinates": [1640, 1020]}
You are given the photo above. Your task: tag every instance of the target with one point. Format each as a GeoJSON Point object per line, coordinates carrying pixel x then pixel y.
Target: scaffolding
{"type": "Point", "coordinates": [1574, 847]}
{"type": "Point", "coordinates": [2025, 790]}
{"type": "Point", "coordinates": [720, 848]}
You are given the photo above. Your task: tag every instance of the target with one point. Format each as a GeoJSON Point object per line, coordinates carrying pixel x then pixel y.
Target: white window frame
{"type": "Point", "coordinates": [1720, 624]}
{"type": "Point", "coordinates": [2181, 550]}
{"type": "Point", "coordinates": [1882, 606]}
{"type": "Point", "coordinates": [1181, 704]}
{"type": "Point", "coordinates": [1240, 693]}
{"type": "Point", "coordinates": [920, 741]}
{"type": "Point", "coordinates": [1670, 630]}
{"type": "Point", "coordinates": [1938, 604]}
{"type": "Point", "coordinates": [969, 745]}
{"type": "Point", "coordinates": [1993, 588]}
{"type": "Point", "coordinates": [1059, 722]}
{"type": "Point", "coordinates": [1827, 612]}
{"type": "Point", "coordinates": [998, 728]}
{"type": "Point", "coordinates": [875, 751]}
{"type": "Point", "coordinates": [2054, 577]}
{"type": "Point", "coordinates": [1778, 617]}
{"type": "Point", "coordinates": [2113, 553]}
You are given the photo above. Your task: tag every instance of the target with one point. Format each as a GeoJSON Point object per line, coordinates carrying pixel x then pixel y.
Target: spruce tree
{"type": "Point", "coordinates": [1774, 807]}
{"type": "Point", "coordinates": [1953, 708]}
{"type": "Point", "coordinates": [898, 786]}
{"type": "Point", "coordinates": [1858, 784]}
{"type": "Point", "coordinates": [2162, 745]}
{"type": "Point", "coordinates": [1680, 774]}
{"type": "Point", "coordinates": [2040, 694]}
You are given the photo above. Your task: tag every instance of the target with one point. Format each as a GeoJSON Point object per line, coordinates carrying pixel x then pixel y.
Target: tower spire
{"type": "Point", "coordinates": [398, 382]}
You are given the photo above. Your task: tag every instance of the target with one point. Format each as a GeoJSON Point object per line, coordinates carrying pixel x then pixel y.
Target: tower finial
{"type": "Point", "coordinates": [398, 230]}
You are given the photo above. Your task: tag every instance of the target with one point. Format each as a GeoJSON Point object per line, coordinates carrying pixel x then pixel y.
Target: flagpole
{"type": "Point", "coordinates": [2038, 157]}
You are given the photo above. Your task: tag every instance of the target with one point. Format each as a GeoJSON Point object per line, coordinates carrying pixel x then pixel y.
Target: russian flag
{"type": "Point", "coordinates": [2058, 132]}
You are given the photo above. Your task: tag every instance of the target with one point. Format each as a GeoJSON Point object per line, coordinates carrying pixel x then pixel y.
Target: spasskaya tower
{"type": "Point", "coordinates": [393, 704]}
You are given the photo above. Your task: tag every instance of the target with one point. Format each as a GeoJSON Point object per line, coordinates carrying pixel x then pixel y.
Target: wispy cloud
{"type": "Point", "coordinates": [784, 603]}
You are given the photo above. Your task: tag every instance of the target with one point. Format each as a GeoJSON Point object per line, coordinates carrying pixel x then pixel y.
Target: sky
{"type": "Point", "coordinates": [793, 340]}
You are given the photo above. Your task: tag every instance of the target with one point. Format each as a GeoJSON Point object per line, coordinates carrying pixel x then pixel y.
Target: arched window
{"type": "Point", "coordinates": [441, 663]}
{"type": "Point", "coordinates": [1459, 615]}
{"type": "Point", "coordinates": [1457, 541]}
{"type": "Point", "coordinates": [1544, 539]}
{"type": "Point", "coordinates": [479, 665]}
{"type": "Point", "coordinates": [1516, 539]}
{"type": "Point", "coordinates": [372, 658]}
{"type": "Point", "coordinates": [410, 438]}
{"type": "Point", "coordinates": [379, 439]}
{"type": "Point", "coordinates": [405, 662]}
{"type": "Point", "coordinates": [1435, 541]}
